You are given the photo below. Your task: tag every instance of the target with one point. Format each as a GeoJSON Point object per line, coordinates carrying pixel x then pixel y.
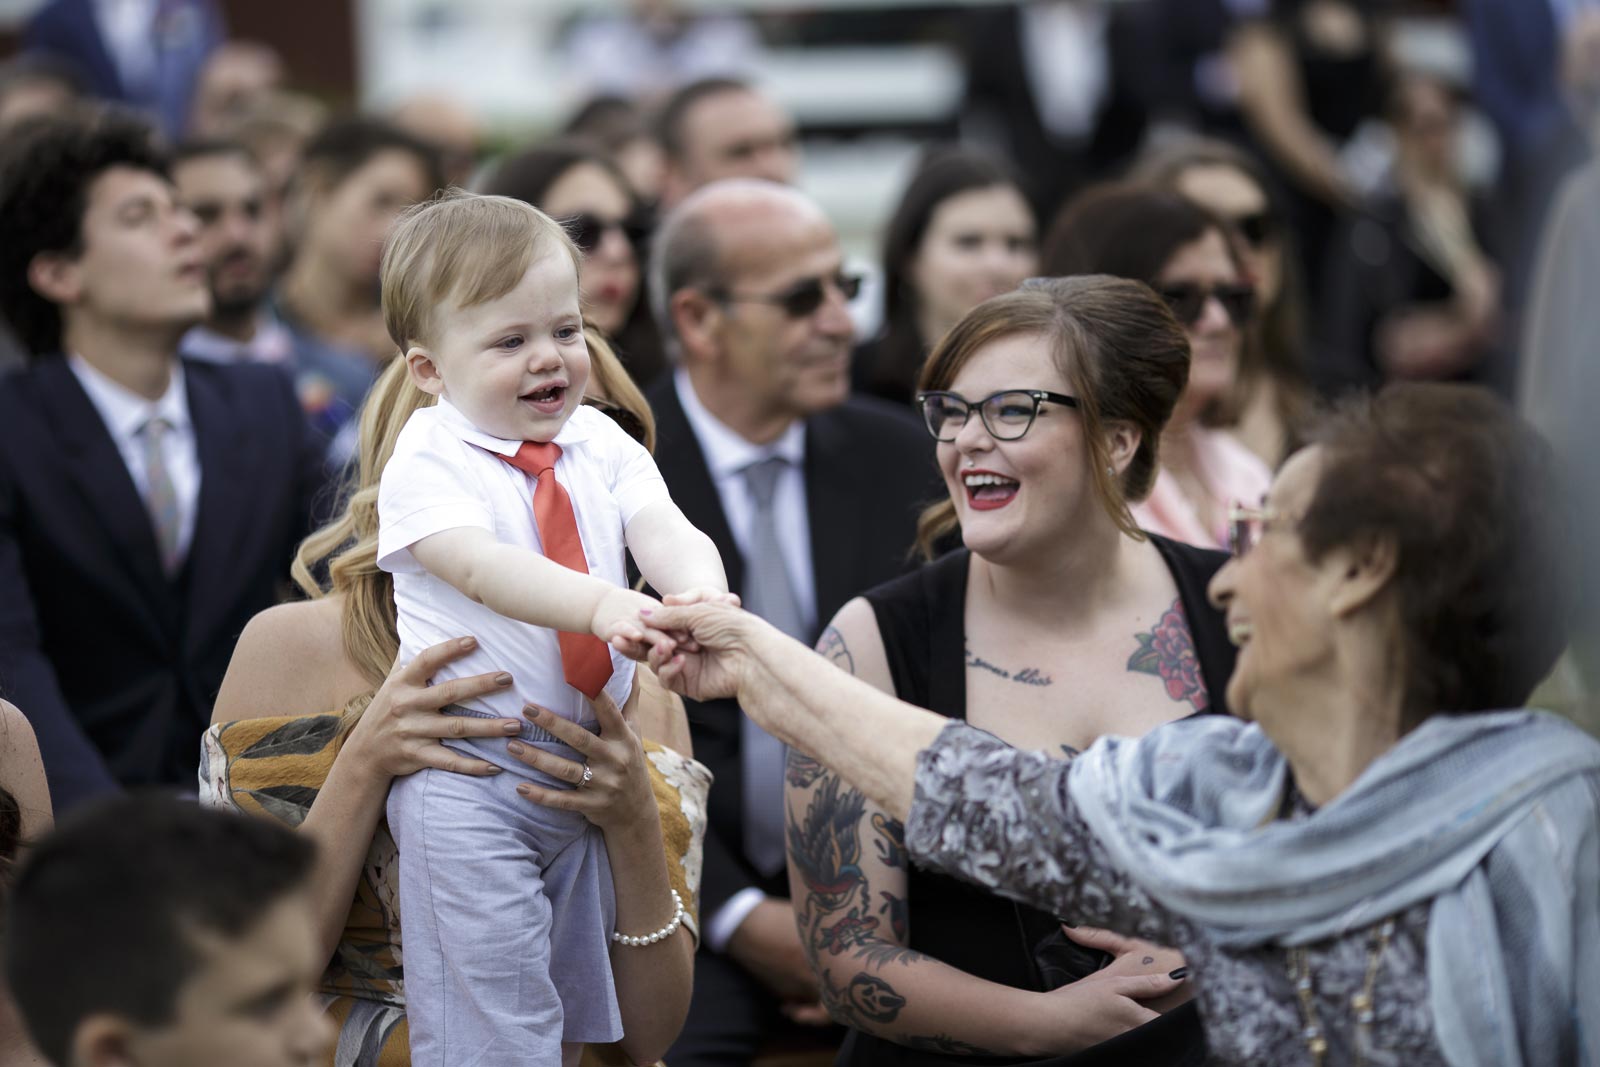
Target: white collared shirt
{"type": "Point", "coordinates": [125, 414]}
{"type": "Point", "coordinates": [727, 455]}
{"type": "Point", "coordinates": [447, 474]}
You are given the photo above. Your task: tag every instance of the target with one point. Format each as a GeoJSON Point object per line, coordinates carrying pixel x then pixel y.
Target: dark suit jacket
{"type": "Point", "coordinates": [1001, 97]}
{"type": "Point", "coordinates": [69, 30]}
{"type": "Point", "coordinates": [869, 471]}
{"type": "Point", "coordinates": [115, 665]}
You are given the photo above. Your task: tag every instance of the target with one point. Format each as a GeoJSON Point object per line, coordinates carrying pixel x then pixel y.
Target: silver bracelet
{"type": "Point", "coordinates": [620, 938]}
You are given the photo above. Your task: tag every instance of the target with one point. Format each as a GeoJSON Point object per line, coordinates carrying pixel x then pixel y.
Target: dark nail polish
{"type": "Point", "coordinates": [516, 748]}
{"type": "Point", "coordinates": [511, 726]}
{"type": "Point", "coordinates": [502, 680]}
{"type": "Point", "coordinates": [1178, 975]}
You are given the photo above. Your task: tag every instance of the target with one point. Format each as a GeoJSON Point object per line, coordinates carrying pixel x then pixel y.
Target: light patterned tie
{"type": "Point", "coordinates": [160, 498]}
{"type": "Point", "coordinates": [585, 659]}
{"type": "Point", "coordinates": [769, 593]}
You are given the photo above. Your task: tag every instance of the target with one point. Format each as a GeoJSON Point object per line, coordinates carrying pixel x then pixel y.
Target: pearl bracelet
{"type": "Point", "coordinates": [662, 934]}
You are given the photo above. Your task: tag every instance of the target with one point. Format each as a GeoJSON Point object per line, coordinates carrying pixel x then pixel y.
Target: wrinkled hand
{"type": "Point", "coordinates": [618, 793]}
{"type": "Point", "coordinates": [400, 731]}
{"type": "Point", "coordinates": [703, 652]}
{"type": "Point", "coordinates": [1134, 957]}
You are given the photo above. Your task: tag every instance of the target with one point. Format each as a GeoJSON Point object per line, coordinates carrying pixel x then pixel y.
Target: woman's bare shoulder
{"type": "Point", "coordinates": [853, 642]}
{"type": "Point", "coordinates": [289, 660]}
{"type": "Point", "coordinates": [22, 771]}
{"type": "Point", "coordinates": [659, 715]}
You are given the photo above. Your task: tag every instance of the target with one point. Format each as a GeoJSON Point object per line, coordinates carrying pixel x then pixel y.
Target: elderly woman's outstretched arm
{"type": "Point", "coordinates": [868, 737]}
{"type": "Point", "coordinates": [973, 806]}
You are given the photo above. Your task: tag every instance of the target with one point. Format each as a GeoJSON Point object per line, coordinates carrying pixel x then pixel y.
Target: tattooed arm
{"type": "Point", "coordinates": [847, 876]}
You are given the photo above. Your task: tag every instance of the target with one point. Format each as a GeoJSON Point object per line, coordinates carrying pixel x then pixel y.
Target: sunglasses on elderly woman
{"type": "Point", "coordinates": [1246, 525]}
{"type": "Point", "coordinates": [630, 423]}
{"type": "Point", "coordinates": [1188, 301]}
{"type": "Point", "coordinates": [587, 230]}
{"type": "Point", "coordinates": [800, 299]}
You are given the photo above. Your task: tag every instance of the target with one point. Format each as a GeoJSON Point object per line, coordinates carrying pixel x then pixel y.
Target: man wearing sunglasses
{"type": "Point", "coordinates": [811, 498]}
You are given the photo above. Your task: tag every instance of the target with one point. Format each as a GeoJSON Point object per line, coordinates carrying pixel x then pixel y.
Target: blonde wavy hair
{"type": "Point", "coordinates": [347, 547]}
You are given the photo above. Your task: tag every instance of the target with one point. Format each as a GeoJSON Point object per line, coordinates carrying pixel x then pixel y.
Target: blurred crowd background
{"type": "Point", "coordinates": [1390, 167]}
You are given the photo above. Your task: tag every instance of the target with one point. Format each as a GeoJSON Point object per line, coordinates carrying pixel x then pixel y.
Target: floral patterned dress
{"type": "Point", "coordinates": [274, 767]}
{"type": "Point", "coordinates": [1003, 819]}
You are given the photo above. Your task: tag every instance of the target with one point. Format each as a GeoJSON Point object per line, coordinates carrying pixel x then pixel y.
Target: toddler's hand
{"type": "Point", "coordinates": [616, 622]}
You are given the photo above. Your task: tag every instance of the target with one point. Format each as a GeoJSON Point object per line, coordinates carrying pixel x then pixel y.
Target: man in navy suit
{"type": "Point", "coordinates": [148, 506]}
{"type": "Point", "coordinates": [146, 53]}
{"type": "Point", "coordinates": [811, 497]}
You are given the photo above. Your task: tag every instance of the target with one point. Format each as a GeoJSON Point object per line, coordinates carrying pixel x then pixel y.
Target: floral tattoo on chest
{"type": "Point", "coordinates": [1167, 652]}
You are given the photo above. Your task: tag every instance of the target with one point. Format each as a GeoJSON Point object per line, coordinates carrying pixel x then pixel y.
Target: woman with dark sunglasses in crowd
{"type": "Point", "coordinates": [1272, 402]}
{"type": "Point", "coordinates": [580, 185]}
{"type": "Point", "coordinates": [1186, 256]}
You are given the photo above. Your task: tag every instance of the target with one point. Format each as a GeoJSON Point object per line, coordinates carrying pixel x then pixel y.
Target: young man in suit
{"type": "Point", "coordinates": [148, 507]}
{"type": "Point", "coordinates": [811, 498]}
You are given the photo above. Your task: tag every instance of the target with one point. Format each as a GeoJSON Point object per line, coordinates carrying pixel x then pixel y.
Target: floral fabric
{"type": "Point", "coordinates": [274, 767]}
{"type": "Point", "coordinates": [979, 809]}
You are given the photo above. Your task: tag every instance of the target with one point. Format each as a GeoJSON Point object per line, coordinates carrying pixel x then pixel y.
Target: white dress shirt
{"type": "Point", "coordinates": [727, 454]}
{"type": "Point", "coordinates": [1068, 63]}
{"type": "Point", "coordinates": [125, 414]}
{"type": "Point", "coordinates": [447, 474]}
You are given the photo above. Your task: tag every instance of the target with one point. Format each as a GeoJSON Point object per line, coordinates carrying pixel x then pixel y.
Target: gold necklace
{"type": "Point", "coordinates": [1361, 1004]}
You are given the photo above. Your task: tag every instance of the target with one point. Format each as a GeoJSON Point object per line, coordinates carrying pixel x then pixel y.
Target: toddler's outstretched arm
{"type": "Point", "coordinates": [522, 584]}
{"type": "Point", "coordinates": [674, 556]}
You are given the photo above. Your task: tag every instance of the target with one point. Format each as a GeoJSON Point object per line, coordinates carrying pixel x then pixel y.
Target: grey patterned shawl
{"type": "Point", "coordinates": [1494, 817]}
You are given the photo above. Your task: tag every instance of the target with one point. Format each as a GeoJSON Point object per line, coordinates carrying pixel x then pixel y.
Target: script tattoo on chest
{"type": "Point", "coordinates": [1167, 652]}
{"type": "Point", "coordinates": [1026, 676]}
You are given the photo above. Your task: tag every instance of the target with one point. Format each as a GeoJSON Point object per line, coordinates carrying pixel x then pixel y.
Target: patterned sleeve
{"type": "Point", "coordinates": [1001, 818]}
{"type": "Point", "coordinates": [681, 787]}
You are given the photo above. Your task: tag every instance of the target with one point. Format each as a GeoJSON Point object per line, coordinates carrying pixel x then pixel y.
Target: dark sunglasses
{"type": "Point", "coordinates": [803, 297]}
{"type": "Point", "coordinates": [631, 424]}
{"type": "Point", "coordinates": [588, 230]}
{"type": "Point", "coordinates": [1188, 301]}
{"type": "Point", "coordinates": [1257, 228]}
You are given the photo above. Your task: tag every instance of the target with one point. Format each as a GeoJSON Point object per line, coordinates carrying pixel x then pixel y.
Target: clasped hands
{"type": "Point", "coordinates": [695, 641]}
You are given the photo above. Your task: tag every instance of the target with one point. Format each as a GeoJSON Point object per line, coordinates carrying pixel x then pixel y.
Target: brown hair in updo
{"type": "Point", "coordinates": [1124, 356]}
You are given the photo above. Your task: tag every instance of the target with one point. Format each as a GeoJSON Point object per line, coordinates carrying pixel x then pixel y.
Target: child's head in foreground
{"type": "Point", "coordinates": [147, 930]}
{"type": "Point", "coordinates": [480, 293]}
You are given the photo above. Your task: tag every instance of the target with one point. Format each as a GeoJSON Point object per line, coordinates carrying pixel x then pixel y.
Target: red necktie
{"type": "Point", "coordinates": [585, 659]}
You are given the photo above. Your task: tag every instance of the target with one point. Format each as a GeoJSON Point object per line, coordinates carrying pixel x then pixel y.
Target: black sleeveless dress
{"type": "Point", "coordinates": [921, 617]}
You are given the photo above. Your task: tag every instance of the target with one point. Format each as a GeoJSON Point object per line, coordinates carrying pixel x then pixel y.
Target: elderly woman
{"type": "Point", "coordinates": [1373, 865]}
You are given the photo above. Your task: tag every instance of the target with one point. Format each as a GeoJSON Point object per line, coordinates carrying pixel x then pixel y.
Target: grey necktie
{"type": "Point", "coordinates": [160, 498]}
{"type": "Point", "coordinates": [768, 593]}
